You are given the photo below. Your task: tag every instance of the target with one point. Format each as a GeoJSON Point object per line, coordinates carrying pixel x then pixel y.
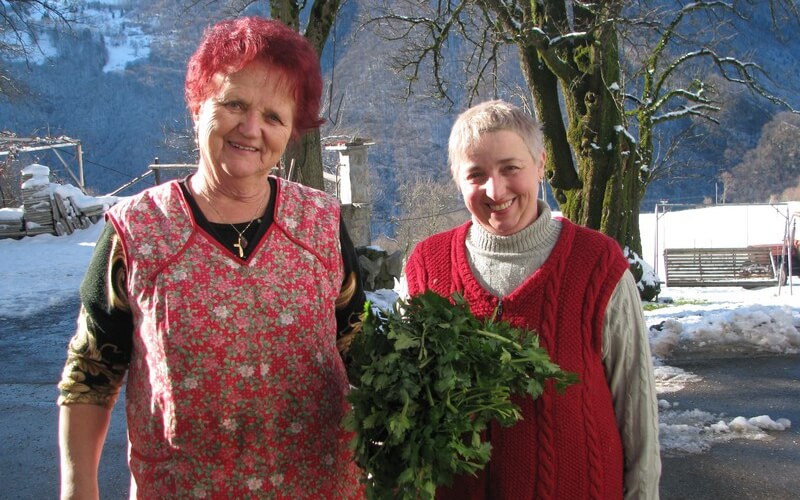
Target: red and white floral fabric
{"type": "Point", "coordinates": [235, 388]}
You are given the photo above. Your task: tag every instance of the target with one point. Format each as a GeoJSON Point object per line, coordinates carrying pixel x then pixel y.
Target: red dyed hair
{"type": "Point", "coordinates": [230, 45]}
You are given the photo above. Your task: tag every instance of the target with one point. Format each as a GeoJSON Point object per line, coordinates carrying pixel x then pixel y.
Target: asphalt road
{"type": "Point", "coordinates": [743, 470]}
{"type": "Point", "coordinates": [32, 355]}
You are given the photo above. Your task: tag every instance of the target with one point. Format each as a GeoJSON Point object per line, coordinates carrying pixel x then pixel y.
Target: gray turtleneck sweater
{"type": "Point", "coordinates": [502, 263]}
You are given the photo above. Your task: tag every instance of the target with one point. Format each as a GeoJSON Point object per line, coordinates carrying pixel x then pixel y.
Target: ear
{"type": "Point", "coordinates": [195, 115]}
{"type": "Point", "coordinates": [194, 110]}
{"type": "Point", "coordinates": [542, 161]}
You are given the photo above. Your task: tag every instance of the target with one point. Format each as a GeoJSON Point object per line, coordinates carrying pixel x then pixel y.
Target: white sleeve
{"type": "Point", "coordinates": [629, 370]}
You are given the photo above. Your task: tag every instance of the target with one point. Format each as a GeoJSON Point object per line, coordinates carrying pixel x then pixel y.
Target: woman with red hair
{"type": "Point", "coordinates": [221, 297]}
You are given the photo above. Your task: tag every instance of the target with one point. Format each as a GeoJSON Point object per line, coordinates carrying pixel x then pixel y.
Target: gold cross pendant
{"type": "Point", "coordinates": [241, 245]}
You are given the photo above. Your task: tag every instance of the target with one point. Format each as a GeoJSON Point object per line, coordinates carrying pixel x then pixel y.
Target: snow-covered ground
{"type": "Point", "coordinates": [38, 272]}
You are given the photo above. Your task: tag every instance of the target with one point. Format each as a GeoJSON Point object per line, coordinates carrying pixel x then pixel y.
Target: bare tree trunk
{"type": "Point", "coordinates": [604, 191]}
{"type": "Point", "coordinates": [307, 156]}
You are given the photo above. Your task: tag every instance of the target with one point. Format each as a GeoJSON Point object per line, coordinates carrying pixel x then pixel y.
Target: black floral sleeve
{"type": "Point", "coordinates": [350, 303]}
{"type": "Point", "coordinates": [99, 352]}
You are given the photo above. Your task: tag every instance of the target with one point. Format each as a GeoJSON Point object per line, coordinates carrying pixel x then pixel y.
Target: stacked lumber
{"type": "Point", "coordinates": [37, 200]}
{"type": "Point", "coordinates": [49, 208]}
{"type": "Point", "coordinates": [11, 223]}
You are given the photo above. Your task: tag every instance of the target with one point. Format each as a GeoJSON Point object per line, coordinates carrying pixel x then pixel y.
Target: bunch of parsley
{"type": "Point", "coordinates": [428, 377]}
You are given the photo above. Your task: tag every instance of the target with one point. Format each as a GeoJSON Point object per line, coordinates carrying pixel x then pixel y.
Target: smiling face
{"type": "Point", "coordinates": [499, 180]}
{"type": "Point", "coordinates": [244, 127]}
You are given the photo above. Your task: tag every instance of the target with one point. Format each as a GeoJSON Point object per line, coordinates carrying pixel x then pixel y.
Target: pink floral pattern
{"type": "Point", "coordinates": [235, 388]}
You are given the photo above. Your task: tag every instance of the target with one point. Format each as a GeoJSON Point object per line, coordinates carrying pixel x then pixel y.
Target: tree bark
{"type": "Point", "coordinates": [306, 151]}
{"type": "Point", "coordinates": [599, 187]}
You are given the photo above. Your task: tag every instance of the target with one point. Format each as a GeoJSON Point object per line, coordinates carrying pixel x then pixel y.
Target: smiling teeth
{"type": "Point", "coordinates": [503, 206]}
{"type": "Point", "coordinates": [246, 148]}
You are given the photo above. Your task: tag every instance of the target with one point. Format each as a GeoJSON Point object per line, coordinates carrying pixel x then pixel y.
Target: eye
{"type": "Point", "coordinates": [274, 118]}
{"type": "Point", "coordinates": [474, 175]}
{"type": "Point", "coordinates": [234, 105]}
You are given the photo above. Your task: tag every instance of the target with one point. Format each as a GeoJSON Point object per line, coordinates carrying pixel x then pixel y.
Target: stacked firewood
{"type": "Point", "coordinates": [37, 200]}
{"type": "Point", "coordinates": [49, 208]}
{"type": "Point", "coordinates": [11, 223]}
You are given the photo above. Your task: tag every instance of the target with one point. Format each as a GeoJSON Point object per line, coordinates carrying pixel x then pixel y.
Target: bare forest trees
{"type": "Point", "coordinates": [602, 77]}
{"type": "Point", "coordinates": [306, 152]}
{"type": "Point", "coordinates": [429, 206]}
{"type": "Point", "coordinates": [21, 21]}
{"type": "Point", "coordinates": [770, 171]}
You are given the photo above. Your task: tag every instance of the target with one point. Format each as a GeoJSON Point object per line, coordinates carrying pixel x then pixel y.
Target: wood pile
{"type": "Point", "coordinates": [50, 208]}
{"type": "Point", "coordinates": [37, 202]}
{"type": "Point", "coordinates": [11, 223]}
{"type": "Point", "coordinates": [68, 216]}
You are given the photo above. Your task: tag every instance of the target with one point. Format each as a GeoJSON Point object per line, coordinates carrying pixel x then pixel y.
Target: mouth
{"type": "Point", "coordinates": [242, 147]}
{"type": "Point", "coordinates": [502, 206]}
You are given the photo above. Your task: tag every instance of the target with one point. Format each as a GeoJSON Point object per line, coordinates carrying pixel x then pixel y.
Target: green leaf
{"type": "Point", "coordinates": [398, 425]}
{"type": "Point", "coordinates": [405, 341]}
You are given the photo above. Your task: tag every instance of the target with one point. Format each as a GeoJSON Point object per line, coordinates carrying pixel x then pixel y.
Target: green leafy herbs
{"type": "Point", "coordinates": [428, 377]}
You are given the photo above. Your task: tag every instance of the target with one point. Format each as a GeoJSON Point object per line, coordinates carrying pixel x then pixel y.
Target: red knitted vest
{"type": "Point", "coordinates": [567, 446]}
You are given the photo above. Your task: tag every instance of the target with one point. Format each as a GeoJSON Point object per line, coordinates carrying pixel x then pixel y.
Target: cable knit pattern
{"type": "Point", "coordinates": [594, 447]}
{"type": "Point", "coordinates": [567, 446]}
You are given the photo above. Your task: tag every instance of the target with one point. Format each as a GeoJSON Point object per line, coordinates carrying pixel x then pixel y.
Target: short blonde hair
{"type": "Point", "coordinates": [492, 116]}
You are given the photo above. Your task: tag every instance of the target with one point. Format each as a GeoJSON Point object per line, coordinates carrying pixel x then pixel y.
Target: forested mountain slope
{"type": "Point", "coordinates": [115, 82]}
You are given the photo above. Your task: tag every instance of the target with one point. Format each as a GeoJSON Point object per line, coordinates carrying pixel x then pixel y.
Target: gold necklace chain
{"type": "Point", "coordinates": [241, 242]}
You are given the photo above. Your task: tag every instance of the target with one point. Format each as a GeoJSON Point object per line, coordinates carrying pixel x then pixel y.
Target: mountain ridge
{"type": "Point", "coordinates": [127, 115]}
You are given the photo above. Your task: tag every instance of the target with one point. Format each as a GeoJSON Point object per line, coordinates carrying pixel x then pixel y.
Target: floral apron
{"type": "Point", "coordinates": [235, 387]}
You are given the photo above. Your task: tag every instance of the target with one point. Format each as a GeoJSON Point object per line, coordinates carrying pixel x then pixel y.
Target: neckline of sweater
{"type": "Point", "coordinates": [542, 233]}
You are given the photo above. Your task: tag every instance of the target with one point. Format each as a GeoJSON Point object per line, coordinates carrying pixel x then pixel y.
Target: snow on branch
{"type": "Point", "coordinates": [701, 110]}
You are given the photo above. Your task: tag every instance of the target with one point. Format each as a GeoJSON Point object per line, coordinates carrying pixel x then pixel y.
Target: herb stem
{"type": "Point", "coordinates": [499, 338]}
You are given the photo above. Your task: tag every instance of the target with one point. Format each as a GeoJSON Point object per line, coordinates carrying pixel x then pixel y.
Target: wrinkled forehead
{"type": "Point", "coordinates": [466, 144]}
{"type": "Point", "coordinates": [272, 77]}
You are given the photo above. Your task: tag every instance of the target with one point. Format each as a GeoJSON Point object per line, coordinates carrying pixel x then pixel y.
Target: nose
{"type": "Point", "coordinates": [495, 187]}
{"type": "Point", "coordinates": [250, 124]}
